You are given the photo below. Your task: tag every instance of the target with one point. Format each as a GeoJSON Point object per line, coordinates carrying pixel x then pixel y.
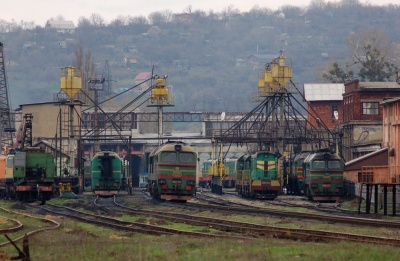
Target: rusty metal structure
{"type": "Point", "coordinates": [7, 128]}
{"type": "Point", "coordinates": [374, 177]}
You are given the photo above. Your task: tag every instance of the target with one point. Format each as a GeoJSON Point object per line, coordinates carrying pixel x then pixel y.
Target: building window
{"type": "Point", "coordinates": [370, 108]}
{"type": "Point", "coordinates": [334, 107]}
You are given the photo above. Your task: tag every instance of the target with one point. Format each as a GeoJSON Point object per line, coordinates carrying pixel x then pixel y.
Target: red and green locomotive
{"type": "Point", "coordinates": [172, 171]}
{"type": "Point", "coordinates": [296, 178]}
{"type": "Point", "coordinates": [323, 176]}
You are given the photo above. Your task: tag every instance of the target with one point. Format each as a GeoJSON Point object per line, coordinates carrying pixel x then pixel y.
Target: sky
{"type": "Point", "coordinates": [39, 11]}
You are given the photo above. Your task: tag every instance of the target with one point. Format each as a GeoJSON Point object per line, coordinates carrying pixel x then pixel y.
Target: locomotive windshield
{"type": "Point", "coordinates": [19, 159]}
{"type": "Point", "coordinates": [318, 164]}
{"type": "Point", "coordinates": [334, 164]}
{"type": "Point", "coordinates": [185, 157]}
{"type": "Point", "coordinates": [168, 156]}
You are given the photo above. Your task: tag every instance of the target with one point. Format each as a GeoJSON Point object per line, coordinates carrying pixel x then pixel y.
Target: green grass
{"type": "Point", "coordinates": [80, 241]}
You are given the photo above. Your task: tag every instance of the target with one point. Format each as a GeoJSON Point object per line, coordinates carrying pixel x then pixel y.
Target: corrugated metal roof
{"type": "Point", "coordinates": [60, 24]}
{"type": "Point", "coordinates": [379, 85]}
{"type": "Point", "coordinates": [391, 100]}
{"type": "Point", "coordinates": [366, 156]}
{"type": "Point", "coordinates": [323, 91]}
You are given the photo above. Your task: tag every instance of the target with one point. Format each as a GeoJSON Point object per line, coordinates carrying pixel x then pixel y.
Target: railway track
{"type": "Point", "coordinates": [257, 230]}
{"type": "Point", "coordinates": [333, 208]}
{"type": "Point", "coordinates": [125, 225]}
{"type": "Point", "coordinates": [233, 207]}
{"type": "Point", "coordinates": [54, 224]}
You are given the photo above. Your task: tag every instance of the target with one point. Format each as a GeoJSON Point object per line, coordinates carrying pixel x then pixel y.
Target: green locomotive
{"type": "Point", "coordinates": [172, 171]}
{"type": "Point", "coordinates": [257, 176]}
{"type": "Point", "coordinates": [106, 173]}
{"type": "Point", "coordinates": [323, 176]}
{"type": "Point", "coordinates": [210, 168]}
{"type": "Point", "coordinates": [32, 175]}
{"type": "Point", "coordinates": [296, 178]}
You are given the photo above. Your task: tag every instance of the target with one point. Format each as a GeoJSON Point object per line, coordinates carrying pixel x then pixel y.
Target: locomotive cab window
{"type": "Point", "coordinates": [334, 164]}
{"type": "Point", "coordinates": [19, 159]}
{"type": "Point", "coordinates": [266, 168]}
{"type": "Point", "coordinates": [318, 164]}
{"type": "Point", "coordinates": [167, 156]}
{"type": "Point", "coordinates": [10, 162]}
{"type": "Point", "coordinates": [186, 157]}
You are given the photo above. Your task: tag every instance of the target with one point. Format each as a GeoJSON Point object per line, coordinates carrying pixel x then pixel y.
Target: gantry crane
{"type": "Point", "coordinates": [160, 98]}
{"type": "Point", "coordinates": [278, 122]}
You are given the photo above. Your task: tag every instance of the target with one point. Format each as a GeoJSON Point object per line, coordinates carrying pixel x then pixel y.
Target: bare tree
{"type": "Point", "coordinates": [372, 57]}
{"type": "Point", "coordinates": [373, 53]}
{"type": "Point", "coordinates": [86, 65]}
{"type": "Point", "coordinates": [84, 22]}
{"type": "Point", "coordinates": [160, 17]}
{"type": "Point", "coordinates": [97, 20]}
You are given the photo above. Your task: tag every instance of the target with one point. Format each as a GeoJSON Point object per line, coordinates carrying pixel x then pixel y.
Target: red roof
{"type": "Point", "coordinates": [142, 76]}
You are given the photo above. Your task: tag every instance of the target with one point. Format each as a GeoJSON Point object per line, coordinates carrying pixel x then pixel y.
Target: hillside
{"type": "Point", "coordinates": [212, 59]}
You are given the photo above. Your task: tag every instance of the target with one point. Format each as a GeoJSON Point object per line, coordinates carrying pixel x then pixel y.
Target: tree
{"type": "Point", "coordinates": [97, 20]}
{"type": "Point", "coordinates": [372, 56]}
{"type": "Point", "coordinates": [337, 75]}
{"type": "Point", "coordinates": [160, 17]}
{"type": "Point", "coordinates": [86, 65]}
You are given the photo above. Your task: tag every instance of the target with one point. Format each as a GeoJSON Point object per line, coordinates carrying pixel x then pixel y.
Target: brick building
{"type": "Point", "coordinates": [391, 130]}
{"type": "Point", "coordinates": [362, 116]}
{"type": "Point", "coordinates": [323, 99]}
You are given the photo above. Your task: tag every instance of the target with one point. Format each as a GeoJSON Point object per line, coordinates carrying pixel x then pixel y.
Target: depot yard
{"type": "Point", "coordinates": [81, 241]}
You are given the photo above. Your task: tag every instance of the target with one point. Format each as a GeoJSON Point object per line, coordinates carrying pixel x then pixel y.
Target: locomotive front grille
{"type": "Point", "coordinates": [177, 173]}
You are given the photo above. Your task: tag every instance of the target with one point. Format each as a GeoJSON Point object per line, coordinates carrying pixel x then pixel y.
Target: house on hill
{"type": "Point", "coordinates": [258, 61]}
{"type": "Point", "coordinates": [183, 16]}
{"type": "Point", "coordinates": [61, 26]}
{"type": "Point", "coordinates": [140, 78]}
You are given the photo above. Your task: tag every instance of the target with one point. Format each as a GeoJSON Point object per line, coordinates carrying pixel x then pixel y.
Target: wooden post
{"type": "Point", "coordinates": [360, 198]}
{"type": "Point", "coordinates": [376, 199]}
{"type": "Point", "coordinates": [394, 200]}
{"type": "Point", "coordinates": [385, 199]}
{"type": "Point", "coordinates": [368, 200]}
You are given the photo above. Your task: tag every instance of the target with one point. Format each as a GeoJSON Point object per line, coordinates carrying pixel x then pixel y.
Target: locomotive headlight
{"type": "Point", "coordinates": [161, 181]}
{"type": "Point", "coordinates": [178, 147]}
{"type": "Point", "coordinates": [191, 182]}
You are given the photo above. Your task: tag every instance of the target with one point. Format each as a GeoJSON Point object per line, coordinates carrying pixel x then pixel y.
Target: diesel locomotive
{"type": "Point", "coordinates": [172, 171]}
{"type": "Point", "coordinates": [106, 173]}
{"type": "Point", "coordinates": [257, 176]}
{"type": "Point", "coordinates": [323, 176]}
{"type": "Point", "coordinates": [27, 175]}
{"type": "Point", "coordinates": [296, 178]}
{"type": "Point", "coordinates": [210, 168]}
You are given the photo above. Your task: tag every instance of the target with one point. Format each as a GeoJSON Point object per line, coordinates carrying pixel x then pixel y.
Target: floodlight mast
{"type": "Point", "coordinates": [7, 128]}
